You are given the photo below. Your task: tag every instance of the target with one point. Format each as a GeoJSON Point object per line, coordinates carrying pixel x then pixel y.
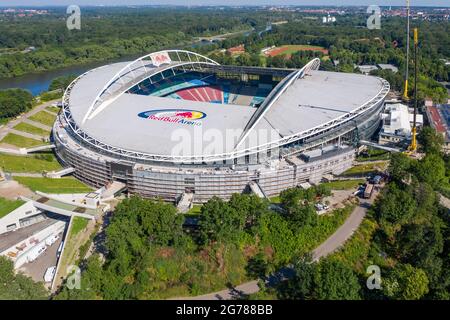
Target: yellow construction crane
{"type": "Point", "coordinates": [413, 147]}
{"type": "Point", "coordinates": [405, 92]}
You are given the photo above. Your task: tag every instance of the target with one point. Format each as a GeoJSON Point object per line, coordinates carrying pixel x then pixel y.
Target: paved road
{"type": "Point", "coordinates": [27, 174]}
{"type": "Point", "coordinates": [334, 242]}
{"type": "Point", "coordinates": [344, 232]}
{"type": "Point", "coordinates": [11, 124]}
{"type": "Point", "coordinates": [444, 201]}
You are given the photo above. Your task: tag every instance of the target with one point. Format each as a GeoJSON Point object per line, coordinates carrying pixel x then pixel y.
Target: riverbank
{"type": "Point", "coordinates": [39, 82]}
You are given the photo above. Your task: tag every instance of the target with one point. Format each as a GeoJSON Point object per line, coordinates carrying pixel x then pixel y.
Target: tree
{"type": "Point", "coordinates": [249, 206]}
{"type": "Point", "coordinates": [18, 286]}
{"type": "Point", "coordinates": [257, 266]}
{"type": "Point", "coordinates": [220, 221]}
{"type": "Point", "coordinates": [420, 245]}
{"type": "Point", "coordinates": [399, 167]}
{"type": "Point", "coordinates": [427, 202]}
{"type": "Point", "coordinates": [430, 140]}
{"type": "Point", "coordinates": [302, 215]}
{"type": "Point", "coordinates": [406, 283]}
{"type": "Point", "coordinates": [302, 284]}
{"type": "Point", "coordinates": [61, 83]}
{"type": "Point", "coordinates": [13, 102]}
{"type": "Point", "coordinates": [290, 197]}
{"type": "Point", "coordinates": [395, 208]}
{"type": "Point", "coordinates": [431, 169]}
{"type": "Point", "coordinates": [336, 281]}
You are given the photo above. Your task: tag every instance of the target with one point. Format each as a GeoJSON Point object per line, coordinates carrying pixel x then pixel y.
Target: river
{"type": "Point", "coordinates": [37, 83]}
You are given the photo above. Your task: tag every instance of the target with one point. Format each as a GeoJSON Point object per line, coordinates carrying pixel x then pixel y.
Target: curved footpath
{"type": "Point", "coordinates": [334, 242]}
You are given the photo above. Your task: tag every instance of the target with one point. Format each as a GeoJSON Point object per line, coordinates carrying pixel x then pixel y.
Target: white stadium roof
{"type": "Point", "coordinates": [311, 101]}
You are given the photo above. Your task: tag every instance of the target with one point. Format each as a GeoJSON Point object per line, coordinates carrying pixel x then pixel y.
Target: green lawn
{"type": "Point", "coordinates": [34, 163]}
{"type": "Point", "coordinates": [374, 155]}
{"type": "Point", "coordinates": [21, 142]}
{"type": "Point", "coordinates": [47, 185]}
{"type": "Point", "coordinates": [7, 206]}
{"type": "Point", "coordinates": [364, 169]}
{"type": "Point", "coordinates": [25, 127]}
{"type": "Point", "coordinates": [196, 210]}
{"type": "Point", "coordinates": [344, 184]}
{"type": "Point", "coordinates": [78, 224]}
{"type": "Point", "coordinates": [275, 200]}
{"type": "Point", "coordinates": [44, 118]}
{"type": "Point", "coordinates": [53, 109]}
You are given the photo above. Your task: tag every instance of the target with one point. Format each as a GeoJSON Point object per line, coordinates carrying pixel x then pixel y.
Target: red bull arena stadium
{"type": "Point", "coordinates": [174, 123]}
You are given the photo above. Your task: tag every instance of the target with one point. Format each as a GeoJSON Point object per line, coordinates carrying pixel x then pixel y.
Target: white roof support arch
{"type": "Point", "coordinates": [275, 94]}
{"type": "Point", "coordinates": [139, 70]}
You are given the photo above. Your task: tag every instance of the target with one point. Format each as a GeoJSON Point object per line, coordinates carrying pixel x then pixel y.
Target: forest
{"type": "Point", "coordinates": [107, 34]}
{"type": "Point", "coordinates": [162, 257]}
{"type": "Point", "coordinates": [406, 235]}
{"type": "Point", "coordinates": [141, 31]}
{"type": "Point", "coordinates": [350, 44]}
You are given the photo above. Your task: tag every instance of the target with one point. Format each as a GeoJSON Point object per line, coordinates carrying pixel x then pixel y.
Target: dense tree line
{"type": "Point", "coordinates": [350, 44]}
{"type": "Point", "coordinates": [411, 242]}
{"type": "Point", "coordinates": [107, 33]}
{"type": "Point", "coordinates": [13, 102]}
{"type": "Point", "coordinates": [233, 241]}
{"type": "Point", "coordinates": [61, 83]}
{"type": "Point", "coordinates": [17, 286]}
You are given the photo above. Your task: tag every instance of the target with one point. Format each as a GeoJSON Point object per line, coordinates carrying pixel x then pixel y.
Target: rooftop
{"type": "Point", "coordinates": [309, 102]}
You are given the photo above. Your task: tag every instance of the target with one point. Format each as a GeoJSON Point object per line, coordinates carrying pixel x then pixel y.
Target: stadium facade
{"type": "Point", "coordinates": [175, 122]}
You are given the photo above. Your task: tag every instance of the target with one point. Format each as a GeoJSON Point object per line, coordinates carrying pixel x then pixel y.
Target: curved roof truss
{"type": "Point", "coordinates": [279, 89]}
{"type": "Point", "coordinates": [138, 71]}
{"type": "Point", "coordinates": [370, 104]}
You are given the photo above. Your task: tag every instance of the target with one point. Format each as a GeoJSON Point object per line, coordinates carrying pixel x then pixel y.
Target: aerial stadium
{"type": "Point", "coordinates": [175, 123]}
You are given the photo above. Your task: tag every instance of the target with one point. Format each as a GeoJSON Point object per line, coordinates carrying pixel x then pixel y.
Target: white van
{"type": "Point", "coordinates": [36, 252]}
{"type": "Point", "coordinates": [51, 240]}
{"type": "Point", "coordinates": [50, 274]}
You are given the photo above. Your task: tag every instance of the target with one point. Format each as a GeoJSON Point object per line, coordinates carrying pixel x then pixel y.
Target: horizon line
{"type": "Point", "coordinates": [215, 5]}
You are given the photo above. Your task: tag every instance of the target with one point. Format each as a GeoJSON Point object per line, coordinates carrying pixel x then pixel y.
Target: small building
{"type": "Point", "coordinates": [23, 216]}
{"type": "Point", "coordinates": [366, 69]}
{"type": "Point", "coordinates": [398, 121]}
{"type": "Point", "coordinates": [236, 50]}
{"type": "Point", "coordinates": [391, 67]}
{"type": "Point", "coordinates": [439, 118]}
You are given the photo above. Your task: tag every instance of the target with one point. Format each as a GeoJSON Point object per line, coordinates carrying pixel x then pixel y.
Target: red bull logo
{"type": "Point", "coordinates": [187, 117]}
{"type": "Point", "coordinates": [160, 58]}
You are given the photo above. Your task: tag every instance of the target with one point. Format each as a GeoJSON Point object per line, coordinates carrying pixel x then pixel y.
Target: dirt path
{"type": "Point", "coordinates": [12, 189]}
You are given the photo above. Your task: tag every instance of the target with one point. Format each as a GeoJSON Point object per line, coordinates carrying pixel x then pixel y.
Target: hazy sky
{"type": "Point", "coordinates": [222, 2]}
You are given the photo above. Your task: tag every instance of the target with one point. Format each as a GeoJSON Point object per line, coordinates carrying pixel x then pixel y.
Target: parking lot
{"type": "Point", "coordinates": [37, 268]}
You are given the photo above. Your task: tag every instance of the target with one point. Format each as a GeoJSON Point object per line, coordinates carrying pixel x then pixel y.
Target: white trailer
{"type": "Point", "coordinates": [51, 240]}
{"type": "Point", "coordinates": [36, 252]}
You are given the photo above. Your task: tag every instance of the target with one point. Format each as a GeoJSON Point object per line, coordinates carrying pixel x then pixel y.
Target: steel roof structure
{"type": "Point", "coordinates": [307, 102]}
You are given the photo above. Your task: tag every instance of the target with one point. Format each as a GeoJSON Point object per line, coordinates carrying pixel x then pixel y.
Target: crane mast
{"type": "Point", "coordinates": [405, 92]}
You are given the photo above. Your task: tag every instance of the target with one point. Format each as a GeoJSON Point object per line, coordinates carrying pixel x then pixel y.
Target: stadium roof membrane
{"type": "Point", "coordinates": [308, 102]}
